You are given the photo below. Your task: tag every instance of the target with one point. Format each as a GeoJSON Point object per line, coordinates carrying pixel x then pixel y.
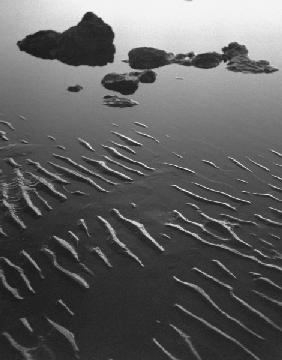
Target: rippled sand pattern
{"type": "Point", "coordinates": [131, 252]}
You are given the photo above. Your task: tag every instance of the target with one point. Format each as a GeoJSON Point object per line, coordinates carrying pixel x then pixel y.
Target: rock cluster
{"type": "Point", "coordinates": [90, 42]}
{"type": "Point", "coordinates": [148, 58]}
{"type": "Point", "coordinates": [127, 83]}
{"type": "Point", "coordinates": [239, 61]}
{"type": "Point", "coordinates": [244, 64]}
{"type": "Point", "coordinates": [235, 54]}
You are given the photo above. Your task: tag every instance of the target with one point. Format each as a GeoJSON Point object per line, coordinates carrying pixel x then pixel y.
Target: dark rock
{"type": "Point", "coordinates": [234, 49]}
{"type": "Point", "coordinates": [42, 44]}
{"type": "Point", "coordinates": [88, 43]}
{"type": "Point", "coordinates": [124, 83]}
{"type": "Point", "coordinates": [207, 60]}
{"type": "Point", "coordinates": [75, 88]}
{"type": "Point", "coordinates": [235, 54]}
{"type": "Point", "coordinates": [127, 83]}
{"type": "Point", "coordinates": [148, 58]}
{"type": "Point", "coordinates": [242, 63]}
{"type": "Point", "coordinates": [116, 101]}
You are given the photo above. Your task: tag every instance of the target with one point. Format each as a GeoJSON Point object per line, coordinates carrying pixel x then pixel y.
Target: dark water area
{"type": "Point", "coordinates": [228, 206]}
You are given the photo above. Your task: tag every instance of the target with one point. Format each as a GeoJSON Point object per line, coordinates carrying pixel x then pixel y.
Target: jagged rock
{"type": "Point", "coordinates": [148, 58]}
{"type": "Point", "coordinates": [239, 60]}
{"type": "Point", "coordinates": [242, 63]}
{"type": "Point", "coordinates": [234, 49]}
{"type": "Point", "coordinates": [127, 83]}
{"type": "Point", "coordinates": [75, 88]}
{"type": "Point", "coordinates": [116, 101]}
{"type": "Point", "coordinates": [88, 43]}
{"type": "Point", "coordinates": [207, 60]}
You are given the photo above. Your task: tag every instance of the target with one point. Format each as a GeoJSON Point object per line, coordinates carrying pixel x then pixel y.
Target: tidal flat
{"type": "Point", "coordinates": [140, 215]}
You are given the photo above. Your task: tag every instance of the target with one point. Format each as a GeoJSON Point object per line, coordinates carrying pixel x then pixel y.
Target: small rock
{"type": "Point", "coordinates": [127, 83]}
{"type": "Point", "coordinates": [75, 88]}
{"type": "Point", "coordinates": [148, 58]}
{"type": "Point", "coordinates": [124, 83]}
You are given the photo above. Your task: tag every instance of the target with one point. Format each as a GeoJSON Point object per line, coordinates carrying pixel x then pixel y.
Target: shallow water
{"type": "Point", "coordinates": [210, 115]}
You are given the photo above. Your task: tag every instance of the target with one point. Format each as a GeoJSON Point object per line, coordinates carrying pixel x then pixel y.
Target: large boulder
{"type": "Point", "coordinates": [127, 83]}
{"type": "Point", "coordinates": [148, 58]}
{"type": "Point", "coordinates": [207, 60]}
{"type": "Point", "coordinates": [88, 43]}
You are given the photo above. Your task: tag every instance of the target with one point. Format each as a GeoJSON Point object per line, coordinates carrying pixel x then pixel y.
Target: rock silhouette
{"type": "Point", "coordinates": [90, 42]}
